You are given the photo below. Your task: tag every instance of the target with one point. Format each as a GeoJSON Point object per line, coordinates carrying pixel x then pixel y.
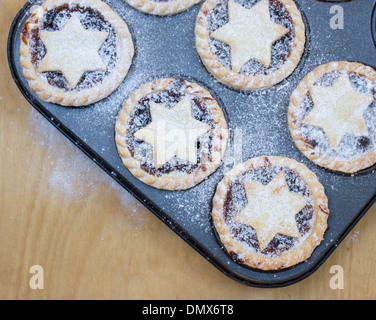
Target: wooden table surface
{"type": "Point", "coordinates": [93, 240]}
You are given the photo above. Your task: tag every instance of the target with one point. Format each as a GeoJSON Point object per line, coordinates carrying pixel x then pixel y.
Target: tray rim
{"type": "Point", "coordinates": [148, 203]}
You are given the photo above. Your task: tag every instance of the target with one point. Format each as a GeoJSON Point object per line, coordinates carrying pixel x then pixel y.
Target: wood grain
{"type": "Point", "coordinates": [94, 241]}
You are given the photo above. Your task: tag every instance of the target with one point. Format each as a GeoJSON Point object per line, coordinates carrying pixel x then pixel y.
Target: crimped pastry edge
{"type": "Point", "coordinates": [51, 94]}
{"type": "Point", "coordinates": [162, 8]}
{"type": "Point", "coordinates": [322, 160]}
{"type": "Point", "coordinates": [301, 251]}
{"type": "Point", "coordinates": [171, 182]}
{"type": "Point", "coordinates": [240, 81]}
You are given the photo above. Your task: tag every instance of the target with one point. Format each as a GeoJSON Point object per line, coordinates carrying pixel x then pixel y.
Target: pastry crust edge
{"type": "Point", "coordinates": [171, 182]}
{"type": "Point", "coordinates": [322, 160]}
{"type": "Point", "coordinates": [162, 8]}
{"type": "Point", "coordinates": [300, 252]}
{"type": "Point", "coordinates": [239, 81]}
{"type": "Point", "coordinates": [46, 92]}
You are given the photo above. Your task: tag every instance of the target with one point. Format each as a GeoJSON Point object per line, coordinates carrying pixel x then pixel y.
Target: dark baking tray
{"type": "Point", "coordinates": [165, 46]}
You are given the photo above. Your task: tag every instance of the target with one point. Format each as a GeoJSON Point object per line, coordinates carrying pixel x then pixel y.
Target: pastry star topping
{"type": "Point", "coordinates": [339, 110]}
{"type": "Point", "coordinates": [73, 51]}
{"type": "Point", "coordinates": [271, 209]}
{"type": "Point", "coordinates": [173, 132]}
{"type": "Point", "coordinates": [250, 33]}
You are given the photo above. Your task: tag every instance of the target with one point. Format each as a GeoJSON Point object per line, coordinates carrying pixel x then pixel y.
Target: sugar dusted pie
{"type": "Point", "coordinates": [250, 44]}
{"type": "Point", "coordinates": [270, 213]}
{"type": "Point", "coordinates": [162, 7]}
{"type": "Point", "coordinates": [75, 53]}
{"type": "Point", "coordinates": [171, 134]}
{"type": "Point", "coordinates": [332, 116]}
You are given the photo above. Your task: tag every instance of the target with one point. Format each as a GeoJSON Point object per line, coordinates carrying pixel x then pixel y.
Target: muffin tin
{"type": "Point", "coordinates": [165, 47]}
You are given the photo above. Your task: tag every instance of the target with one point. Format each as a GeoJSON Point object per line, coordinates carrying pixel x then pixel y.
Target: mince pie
{"type": "Point", "coordinates": [162, 7]}
{"type": "Point", "coordinates": [250, 44]}
{"type": "Point", "coordinates": [270, 213]}
{"type": "Point", "coordinates": [332, 116]}
{"type": "Point", "coordinates": [171, 134]}
{"type": "Point", "coordinates": [75, 53]}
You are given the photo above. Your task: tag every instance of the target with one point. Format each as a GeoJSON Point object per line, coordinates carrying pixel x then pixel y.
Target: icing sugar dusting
{"type": "Point", "coordinates": [351, 146]}
{"type": "Point", "coordinates": [280, 50]}
{"type": "Point", "coordinates": [237, 201]}
{"type": "Point", "coordinates": [74, 174]}
{"type": "Point", "coordinates": [91, 20]}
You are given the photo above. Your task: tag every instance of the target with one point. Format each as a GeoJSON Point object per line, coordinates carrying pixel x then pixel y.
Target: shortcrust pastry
{"type": "Point", "coordinates": [171, 134]}
{"type": "Point", "coordinates": [75, 53]}
{"type": "Point", "coordinates": [270, 213]}
{"type": "Point", "coordinates": [250, 44]}
{"type": "Point", "coordinates": [162, 7]}
{"type": "Point", "coordinates": [332, 116]}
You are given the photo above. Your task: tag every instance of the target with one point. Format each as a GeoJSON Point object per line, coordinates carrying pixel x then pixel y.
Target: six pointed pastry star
{"type": "Point", "coordinates": [271, 209]}
{"type": "Point", "coordinates": [173, 132]}
{"type": "Point", "coordinates": [250, 33]}
{"type": "Point", "coordinates": [339, 110]}
{"type": "Point", "coordinates": [72, 50]}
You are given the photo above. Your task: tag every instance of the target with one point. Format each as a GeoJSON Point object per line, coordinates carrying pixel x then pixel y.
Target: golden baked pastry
{"type": "Point", "coordinates": [171, 134]}
{"type": "Point", "coordinates": [249, 44]}
{"type": "Point", "coordinates": [162, 7]}
{"type": "Point", "coordinates": [331, 116]}
{"type": "Point", "coordinates": [75, 53]}
{"type": "Point", "coordinates": [270, 213]}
